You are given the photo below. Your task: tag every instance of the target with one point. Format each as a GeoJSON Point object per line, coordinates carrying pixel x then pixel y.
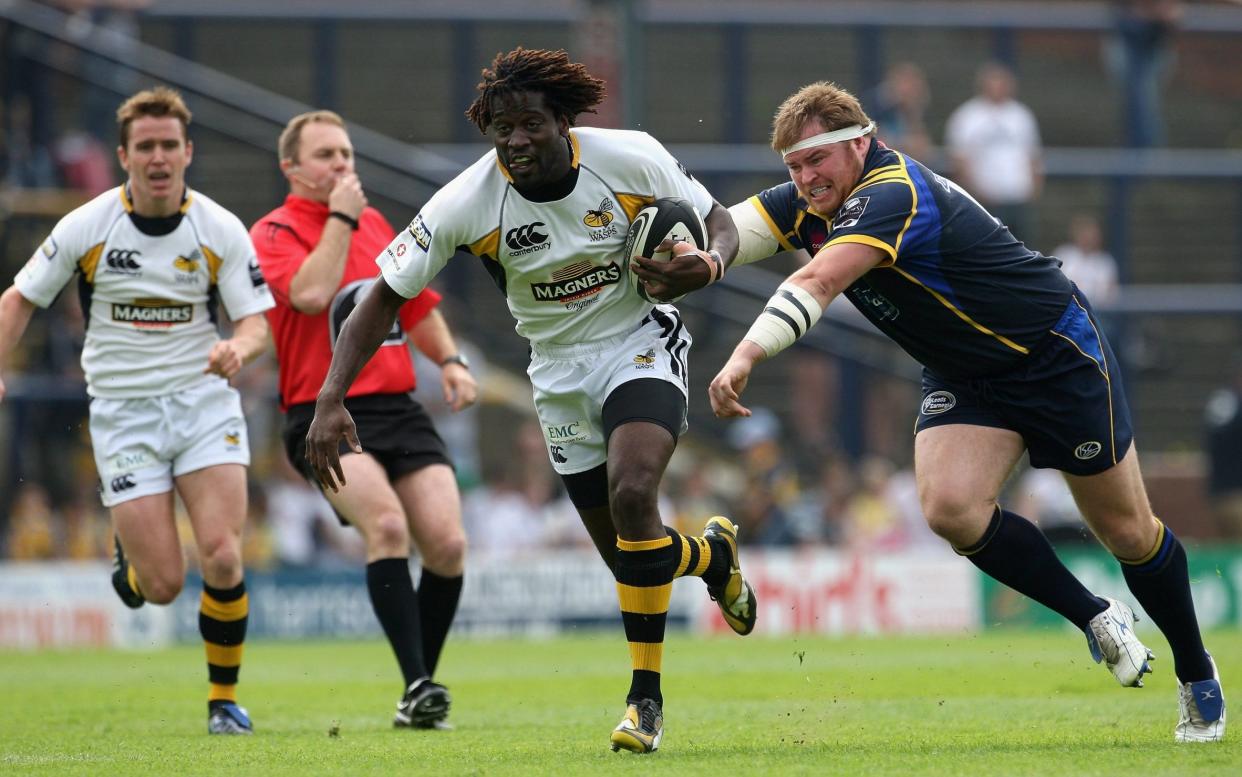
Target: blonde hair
{"type": "Point", "coordinates": [822, 101]}
{"type": "Point", "coordinates": [159, 102]}
{"type": "Point", "coordinates": [290, 142]}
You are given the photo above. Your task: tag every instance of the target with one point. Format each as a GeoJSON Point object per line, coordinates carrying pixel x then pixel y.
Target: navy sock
{"type": "Point", "coordinates": [1161, 583]}
{"type": "Point", "coordinates": [437, 604]}
{"type": "Point", "coordinates": [396, 606]}
{"type": "Point", "coordinates": [1015, 552]}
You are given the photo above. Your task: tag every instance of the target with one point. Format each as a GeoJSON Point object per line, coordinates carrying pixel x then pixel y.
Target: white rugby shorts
{"type": "Point", "coordinates": [141, 444]}
{"type": "Point", "coordinates": [571, 382]}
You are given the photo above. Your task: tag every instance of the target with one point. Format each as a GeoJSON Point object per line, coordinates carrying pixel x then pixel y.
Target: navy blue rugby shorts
{"type": "Point", "coordinates": [1065, 398]}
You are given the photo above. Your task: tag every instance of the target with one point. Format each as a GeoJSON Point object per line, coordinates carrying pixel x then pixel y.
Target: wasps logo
{"type": "Point", "coordinates": [232, 438]}
{"type": "Point", "coordinates": [185, 265]}
{"type": "Point", "coordinates": [600, 217]}
{"type": "Point", "coordinates": [646, 358]}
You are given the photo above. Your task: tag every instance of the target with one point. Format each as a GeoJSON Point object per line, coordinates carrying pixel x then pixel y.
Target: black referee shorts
{"type": "Point", "coordinates": [394, 428]}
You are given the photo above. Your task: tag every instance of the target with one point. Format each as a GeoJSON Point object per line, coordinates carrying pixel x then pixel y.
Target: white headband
{"type": "Point", "coordinates": [824, 138]}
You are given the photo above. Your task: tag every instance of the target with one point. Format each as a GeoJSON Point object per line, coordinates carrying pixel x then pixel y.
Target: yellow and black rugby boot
{"type": "Point", "coordinates": [735, 598]}
{"type": "Point", "coordinates": [642, 728]}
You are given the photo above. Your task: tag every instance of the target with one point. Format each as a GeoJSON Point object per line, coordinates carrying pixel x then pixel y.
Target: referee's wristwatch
{"type": "Point", "coordinates": [456, 358]}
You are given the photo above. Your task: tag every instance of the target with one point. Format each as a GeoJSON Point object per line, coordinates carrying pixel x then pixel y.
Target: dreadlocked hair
{"type": "Point", "coordinates": [567, 88]}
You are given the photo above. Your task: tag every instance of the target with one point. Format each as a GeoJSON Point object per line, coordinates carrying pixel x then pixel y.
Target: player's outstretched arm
{"type": "Point", "coordinates": [250, 338]}
{"type": "Point", "coordinates": [788, 315]}
{"type": "Point", "coordinates": [15, 313]}
{"type": "Point", "coordinates": [360, 336]}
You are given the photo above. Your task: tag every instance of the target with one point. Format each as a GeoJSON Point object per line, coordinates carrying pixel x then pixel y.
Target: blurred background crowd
{"type": "Point", "coordinates": [1107, 134]}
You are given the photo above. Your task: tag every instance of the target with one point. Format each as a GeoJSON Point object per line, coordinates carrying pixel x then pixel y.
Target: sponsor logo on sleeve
{"type": "Point", "coordinates": [256, 274]}
{"type": "Point", "coordinates": [850, 212]}
{"type": "Point", "coordinates": [49, 247]}
{"type": "Point", "coordinates": [421, 234]}
{"type": "Point", "coordinates": [557, 452]}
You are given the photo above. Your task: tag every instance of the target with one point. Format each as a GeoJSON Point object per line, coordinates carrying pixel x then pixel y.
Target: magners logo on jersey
{"type": "Point", "coordinates": [152, 313]}
{"type": "Point", "coordinates": [575, 281]}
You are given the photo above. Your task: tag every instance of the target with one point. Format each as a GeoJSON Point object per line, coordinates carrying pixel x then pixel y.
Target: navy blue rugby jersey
{"type": "Point", "coordinates": [958, 291]}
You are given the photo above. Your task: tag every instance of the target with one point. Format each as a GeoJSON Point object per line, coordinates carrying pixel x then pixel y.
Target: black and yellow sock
{"type": "Point", "coordinates": [644, 586]}
{"type": "Point", "coordinates": [437, 604]}
{"type": "Point", "coordinates": [222, 618]}
{"type": "Point", "coordinates": [1161, 583]}
{"type": "Point", "coordinates": [700, 557]}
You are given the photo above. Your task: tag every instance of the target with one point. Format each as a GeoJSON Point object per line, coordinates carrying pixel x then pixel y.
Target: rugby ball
{"type": "Point", "coordinates": [668, 218]}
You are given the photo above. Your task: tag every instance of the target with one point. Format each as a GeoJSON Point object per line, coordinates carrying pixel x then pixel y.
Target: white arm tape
{"type": "Point", "coordinates": [789, 314]}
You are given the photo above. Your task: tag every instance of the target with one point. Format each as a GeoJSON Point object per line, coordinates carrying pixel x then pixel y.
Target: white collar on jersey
{"type": "Point", "coordinates": [824, 138]}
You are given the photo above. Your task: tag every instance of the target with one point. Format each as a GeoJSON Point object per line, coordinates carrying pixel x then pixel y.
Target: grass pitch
{"type": "Point", "coordinates": [1001, 703]}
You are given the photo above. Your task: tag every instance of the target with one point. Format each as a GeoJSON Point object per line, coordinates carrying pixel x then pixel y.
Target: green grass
{"type": "Point", "coordinates": [1002, 703]}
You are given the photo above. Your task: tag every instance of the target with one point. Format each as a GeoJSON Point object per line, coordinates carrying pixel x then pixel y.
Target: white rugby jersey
{"type": "Point", "coordinates": [149, 300]}
{"type": "Point", "coordinates": [560, 264]}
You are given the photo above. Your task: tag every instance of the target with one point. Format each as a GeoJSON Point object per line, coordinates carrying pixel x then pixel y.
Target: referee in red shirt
{"type": "Point", "coordinates": [318, 252]}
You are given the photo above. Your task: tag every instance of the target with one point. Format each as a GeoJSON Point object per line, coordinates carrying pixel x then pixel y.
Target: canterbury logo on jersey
{"type": "Point", "coordinates": [122, 483]}
{"type": "Point", "coordinates": [123, 261]}
{"type": "Point", "coordinates": [153, 313]}
{"type": "Point", "coordinates": [588, 280]}
{"type": "Point", "coordinates": [527, 238]}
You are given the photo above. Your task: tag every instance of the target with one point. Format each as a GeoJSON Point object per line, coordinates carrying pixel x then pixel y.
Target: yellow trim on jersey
{"type": "Point", "coordinates": [894, 178]}
{"type": "Point", "coordinates": [225, 611]}
{"type": "Point", "coordinates": [867, 240]}
{"type": "Point", "coordinates": [781, 238]}
{"type": "Point", "coordinates": [573, 160]}
{"type": "Point", "coordinates": [633, 203]}
{"type": "Point", "coordinates": [503, 170]}
{"type": "Point", "coordinates": [214, 263]}
{"type": "Point", "coordinates": [128, 204]}
{"type": "Point", "coordinates": [90, 262]}
{"type": "Point", "coordinates": [960, 314]}
{"type": "Point", "coordinates": [224, 655]}
{"type": "Point", "coordinates": [644, 600]}
{"type": "Point", "coordinates": [487, 246]}
{"type": "Point", "coordinates": [880, 171]}
{"type": "Point", "coordinates": [897, 173]}
{"type": "Point", "coordinates": [1103, 370]}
